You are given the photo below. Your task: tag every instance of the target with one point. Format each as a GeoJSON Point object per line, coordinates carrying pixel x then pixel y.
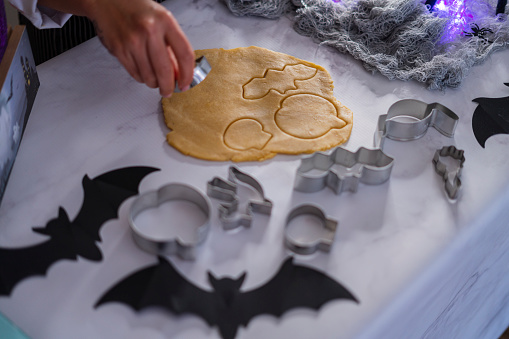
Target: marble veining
{"type": "Point", "coordinates": [421, 267]}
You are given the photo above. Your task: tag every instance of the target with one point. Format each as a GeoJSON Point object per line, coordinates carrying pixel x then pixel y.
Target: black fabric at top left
{"type": "Point", "coordinates": [48, 43]}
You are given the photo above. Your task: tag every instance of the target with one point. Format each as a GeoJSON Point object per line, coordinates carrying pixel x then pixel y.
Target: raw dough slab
{"type": "Point", "coordinates": [254, 104]}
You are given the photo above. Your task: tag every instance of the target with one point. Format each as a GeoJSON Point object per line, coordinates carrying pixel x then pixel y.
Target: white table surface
{"type": "Point", "coordinates": [420, 266]}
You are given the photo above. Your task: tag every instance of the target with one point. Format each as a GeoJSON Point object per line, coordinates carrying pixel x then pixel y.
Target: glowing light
{"type": "Point", "coordinates": [459, 15]}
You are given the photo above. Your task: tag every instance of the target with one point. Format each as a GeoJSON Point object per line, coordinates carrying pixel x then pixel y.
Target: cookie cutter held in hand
{"type": "Point", "coordinates": [153, 199]}
{"type": "Point", "coordinates": [201, 70]}
{"type": "Point", "coordinates": [226, 190]}
{"type": "Point", "coordinates": [369, 166]}
{"type": "Point", "coordinates": [451, 178]}
{"type": "Point", "coordinates": [323, 243]}
{"type": "Point", "coordinates": [409, 119]}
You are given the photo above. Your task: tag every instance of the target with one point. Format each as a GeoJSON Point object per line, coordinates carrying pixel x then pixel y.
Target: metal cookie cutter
{"type": "Point", "coordinates": [201, 70]}
{"type": "Point", "coordinates": [409, 119]}
{"type": "Point", "coordinates": [369, 166]}
{"type": "Point", "coordinates": [226, 190]}
{"type": "Point", "coordinates": [323, 243]}
{"type": "Point", "coordinates": [451, 177]}
{"type": "Point", "coordinates": [170, 192]}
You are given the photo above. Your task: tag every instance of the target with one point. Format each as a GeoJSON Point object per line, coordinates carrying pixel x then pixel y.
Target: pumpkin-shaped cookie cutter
{"type": "Point", "coordinates": [309, 246]}
{"type": "Point", "coordinates": [170, 246]}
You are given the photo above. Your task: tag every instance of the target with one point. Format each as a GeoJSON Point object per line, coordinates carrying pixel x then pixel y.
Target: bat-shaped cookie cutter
{"type": "Point", "coordinates": [451, 177]}
{"type": "Point", "coordinates": [323, 243]}
{"type": "Point", "coordinates": [369, 166]}
{"type": "Point", "coordinates": [201, 70]}
{"type": "Point", "coordinates": [170, 246]}
{"type": "Point", "coordinates": [409, 119]}
{"type": "Point", "coordinates": [226, 191]}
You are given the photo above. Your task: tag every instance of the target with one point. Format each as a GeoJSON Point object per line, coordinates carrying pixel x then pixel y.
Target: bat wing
{"type": "Point", "coordinates": [18, 264]}
{"type": "Point", "coordinates": [278, 80]}
{"type": "Point", "coordinates": [103, 196]}
{"type": "Point", "coordinates": [293, 286]}
{"type": "Point", "coordinates": [161, 285]}
{"type": "Point", "coordinates": [491, 117]}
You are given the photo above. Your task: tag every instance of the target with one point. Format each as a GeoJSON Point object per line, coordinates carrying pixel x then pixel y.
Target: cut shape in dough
{"type": "Point", "coordinates": [254, 104]}
{"type": "Point", "coordinates": [307, 116]}
{"type": "Point", "coordinates": [244, 134]}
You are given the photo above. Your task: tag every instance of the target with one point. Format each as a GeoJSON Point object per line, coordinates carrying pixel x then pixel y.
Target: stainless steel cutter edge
{"type": "Point", "coordinates": [323, 244]}
{"type": "Point", "coordinates": [375, 168]}
{"type": "Point", "coordinates": [421, 116]}
{"type": "Point", "coordinates": [201, 70]}
{"type": "Point", "coordinates": [226, 190]}
{"type": "Point", "coordinates": [166, 193]}
{"type": "Point", "coordinates": [452, 187]}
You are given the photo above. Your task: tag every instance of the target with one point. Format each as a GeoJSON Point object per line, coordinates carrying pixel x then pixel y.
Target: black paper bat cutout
{"type": "Point", "coordinates": [68, 239]}
{"type": "Point", "coordinates": [491, 117]}
{"type": "Point", "coordinates": [226, 306]}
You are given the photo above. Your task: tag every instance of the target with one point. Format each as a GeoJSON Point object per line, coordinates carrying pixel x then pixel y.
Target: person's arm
{"type": "Point", "coordinates": [143, 35]}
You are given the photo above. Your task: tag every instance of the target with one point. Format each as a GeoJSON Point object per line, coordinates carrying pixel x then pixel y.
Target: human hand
{"type": "Point", "coordinates": [147, 40]}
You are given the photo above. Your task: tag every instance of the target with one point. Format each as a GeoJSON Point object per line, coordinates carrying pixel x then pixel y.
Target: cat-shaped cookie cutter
{"type": "Point", "coordinates": [409, 119]}
{"type": "Point", "coordinates": [226, 191]}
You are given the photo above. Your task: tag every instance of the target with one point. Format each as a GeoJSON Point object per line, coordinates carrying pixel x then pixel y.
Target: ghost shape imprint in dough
{"type": "Point", "coordinates": [254, 104]}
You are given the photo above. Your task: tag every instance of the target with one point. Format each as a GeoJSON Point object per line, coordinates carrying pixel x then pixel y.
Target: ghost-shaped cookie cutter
{"type": "Point", "coordinates": [409, 119]}
{"type": "Point", "coordinates": [369, 166]}
{"type": "Point", "coordinates": [153, 199]}
{"type": "Point", "coordinates": [451, 178]}
{"type": "Point", "coordinates": [226, 191]}
{"type": "Point", "coordinates": [322, 243]}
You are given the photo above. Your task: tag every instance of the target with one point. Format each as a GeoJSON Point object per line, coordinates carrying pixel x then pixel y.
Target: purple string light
{"type": "Point", "coordinates": [501, 4]}
{"type": "Point", "coordinates": [462, 14]}
{"type": "Point", "coordinates": [456, 9]}
{"type": "Point", "coordinates": [459, 16]}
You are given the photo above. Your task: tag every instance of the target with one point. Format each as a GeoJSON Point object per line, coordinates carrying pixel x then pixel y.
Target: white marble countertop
{"type": "Point", "coordinates": [420, 266]}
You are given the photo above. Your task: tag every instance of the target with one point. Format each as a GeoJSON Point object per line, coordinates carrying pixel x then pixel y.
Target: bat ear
{"type": "Point", "coordinates": [240, 280]}
{"type": "Point", "coordinates": [62, 219]}
{"type": "Point", "coordinates": [62, 214]}
{"type": "Point", "coordinates": [212, 279]}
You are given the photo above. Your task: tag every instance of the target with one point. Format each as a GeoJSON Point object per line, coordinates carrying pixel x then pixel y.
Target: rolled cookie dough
{"type": "Point", "coordinates": [254, 104]}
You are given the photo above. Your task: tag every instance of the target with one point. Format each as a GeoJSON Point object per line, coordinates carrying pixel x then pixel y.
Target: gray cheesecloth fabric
{"type": "Point", "coordinates": [401, 39]}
